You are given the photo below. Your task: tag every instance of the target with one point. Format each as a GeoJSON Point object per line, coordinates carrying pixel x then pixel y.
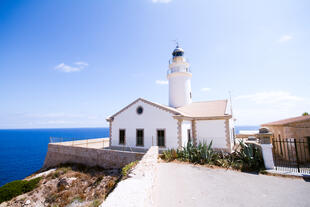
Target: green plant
{"type": "Point", "coordinates": [17, 187]}
{"type": "Point", "coordinates": [51, 198]}
{"type": "Point", "coordinates": [170, 155]}
{"type": "Point", "coordinates": [126, 170]}
{"type": "Point", "coordinates": [96, 203]}
{"type": "Point", "coordinates": [97, 181]}
{"type": "Point", "coordinates": [55, 175]}
{"type": "Point", "coordinates": [78, 199]}
{"type": "Point", "coordinates": [200, 154]}
{"type": "Point", "coordinates": [63, 170]}
{"type": "Point", "coordinates": [248, 157]}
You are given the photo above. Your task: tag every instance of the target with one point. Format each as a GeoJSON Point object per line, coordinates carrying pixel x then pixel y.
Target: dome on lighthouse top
{"type": "Point", "coordinates": [178, 52]}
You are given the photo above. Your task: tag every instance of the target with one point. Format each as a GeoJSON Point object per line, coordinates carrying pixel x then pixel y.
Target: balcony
{"type": "Point", "coordinates": [175, 70]}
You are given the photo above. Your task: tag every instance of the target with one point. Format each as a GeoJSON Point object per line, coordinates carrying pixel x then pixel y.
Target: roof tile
{"type": "Point", "coordinates": [288, 121]}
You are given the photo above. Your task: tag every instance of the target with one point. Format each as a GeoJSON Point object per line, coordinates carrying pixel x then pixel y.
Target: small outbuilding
{"type": "Point", "coordinates": [291, 138]}
{"type": "Point", "coordinates": [296, 127]}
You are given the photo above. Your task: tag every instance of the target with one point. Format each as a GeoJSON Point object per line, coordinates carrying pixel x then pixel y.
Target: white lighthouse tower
{"type": "Point", "coordinates": [179, 77]}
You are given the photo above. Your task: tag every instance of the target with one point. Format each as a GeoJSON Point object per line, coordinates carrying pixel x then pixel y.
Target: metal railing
{"type": "Point", "coordinates": [174, 70]}
{"type": "Point", "coordinates": [88, 143]}
{"type": "Point", "coordinates": [292, 155]}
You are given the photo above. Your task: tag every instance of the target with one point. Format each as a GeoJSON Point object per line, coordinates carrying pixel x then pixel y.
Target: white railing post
{"type": "Point", "coordinates": [268, 156]}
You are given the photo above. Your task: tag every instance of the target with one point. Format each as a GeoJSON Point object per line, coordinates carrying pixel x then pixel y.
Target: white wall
{"type": "Point", "coordinates": [231, 124]}
{"type": "Point", "coordinates": [150, 120]}
{"type": "Point", "coordinates": [231, 130]}
{"type": "Point", "coordinates": [185, 126]}
{"type": "Point", "coordinates": [208, 130]}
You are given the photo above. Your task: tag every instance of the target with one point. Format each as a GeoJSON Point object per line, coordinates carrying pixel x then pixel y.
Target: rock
{"type": "Point", "coordinates": [62, 184]}
{"type": "Point", "coordinates": [70, 180]}
{"type": "Point", "coordinates": [28, 202]}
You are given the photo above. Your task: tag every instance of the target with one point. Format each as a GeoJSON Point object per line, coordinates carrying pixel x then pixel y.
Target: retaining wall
{"type": "Point", "coordinates": [60, 154]}
{"type": "Point", "coordinates": [135, 191]}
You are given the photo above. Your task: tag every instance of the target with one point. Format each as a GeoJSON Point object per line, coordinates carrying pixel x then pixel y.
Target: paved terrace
{"type": "Point", "coordinates": [97, 143]}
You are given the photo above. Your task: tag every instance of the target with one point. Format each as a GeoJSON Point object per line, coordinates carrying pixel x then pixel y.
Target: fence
{"type": "Point", "coordinates": [292, 155]}
{"type": "Point", "coordinates": [88, 143]}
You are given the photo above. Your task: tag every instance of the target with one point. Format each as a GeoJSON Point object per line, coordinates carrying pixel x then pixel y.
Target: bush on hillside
{"type": "Point", "coordinates": [126, 170]}
{"type": "Point", "coordinates": [17, 187]}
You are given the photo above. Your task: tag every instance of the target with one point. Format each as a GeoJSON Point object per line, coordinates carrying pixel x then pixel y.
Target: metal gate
{"type": "Point", "coordinates": [292, 155]}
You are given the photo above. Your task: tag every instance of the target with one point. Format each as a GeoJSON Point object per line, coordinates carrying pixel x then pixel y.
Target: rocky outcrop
{"type": "Point", "coordinates": [68, 186]}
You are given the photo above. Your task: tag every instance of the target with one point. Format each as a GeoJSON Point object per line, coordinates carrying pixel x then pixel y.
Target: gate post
{"type": "Point", "coordinates": [296, 151]}
{"type": "Point", "coordinates": [267, 155]}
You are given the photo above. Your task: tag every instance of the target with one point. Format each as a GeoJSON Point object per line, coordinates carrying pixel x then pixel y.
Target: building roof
{"type": "Point", "coordinates": [207, 109]}
{"type": "Point", "coordinates": [284, 122]}
{"type": "Point", "coordinates": [167, 108]}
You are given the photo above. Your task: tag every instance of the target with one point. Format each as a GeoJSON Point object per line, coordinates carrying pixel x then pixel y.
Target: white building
{"type": "Point", "coordinates": [143, 123]}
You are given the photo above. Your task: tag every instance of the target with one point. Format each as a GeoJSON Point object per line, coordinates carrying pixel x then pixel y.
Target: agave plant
{"type": "Point", "coordinates": [201, 154]}
{"type": "Point", "coordinates": [248, 157]}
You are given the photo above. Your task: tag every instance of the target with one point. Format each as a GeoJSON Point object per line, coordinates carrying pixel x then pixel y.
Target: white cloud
{"type": "Point", "coordinates": [68, 69]}
{"type": "Point", "coordinates": [161, 82]}
{"type": "Point", "coordinates": [161, 1]}
{"type": "Point", "coordinates": [270, 97]}
{"type": "Point", "coordinates": [81, 63]}
{"type": "Point", "coordinates": [205, 89]}
{"type": "Point", "coordinates": [263, 107]}
{"type": "Point", "coordinates": [285, 38]}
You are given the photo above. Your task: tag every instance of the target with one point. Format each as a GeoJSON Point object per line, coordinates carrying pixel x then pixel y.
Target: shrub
{"type": "Point", "coordinates": [51, 198]}
{"type": "Point", "coordinates": [126, 170]}
{"type": "Point", "coordinates": [96, 203]}
{"type": "Point", "coordinates": [17, 187]}
{"type": "Point", "coordinates": [170, 155]}
{"type": "Point", "coordinates": [78, 199]}
{"type": "Point", "coordinates": [55, 175]}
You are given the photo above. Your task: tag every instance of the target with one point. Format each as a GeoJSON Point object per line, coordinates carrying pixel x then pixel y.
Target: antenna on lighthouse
{"type": "Point", "coordinates": [176, 41]}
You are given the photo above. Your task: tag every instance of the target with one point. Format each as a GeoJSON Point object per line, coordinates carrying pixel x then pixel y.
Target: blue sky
{"type": "Point", "coordinates": [73, 63]}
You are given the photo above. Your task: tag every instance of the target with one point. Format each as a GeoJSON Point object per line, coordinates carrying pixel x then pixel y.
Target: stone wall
{"type": "Point", "coordinates": [135, 191]}
{"type": "Point", "coordinates": [60, 154]}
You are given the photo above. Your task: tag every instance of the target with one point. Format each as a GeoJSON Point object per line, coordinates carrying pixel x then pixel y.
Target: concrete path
{"type": "Point", "coordinates": [189, 185]}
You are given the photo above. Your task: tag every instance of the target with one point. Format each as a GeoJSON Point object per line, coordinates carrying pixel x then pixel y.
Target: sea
{"type": "Point", "coordinates": [22, 151]}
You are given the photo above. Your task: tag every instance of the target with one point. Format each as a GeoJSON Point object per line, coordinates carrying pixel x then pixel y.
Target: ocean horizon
{"type": "Point", "coordinates": [22, 151]}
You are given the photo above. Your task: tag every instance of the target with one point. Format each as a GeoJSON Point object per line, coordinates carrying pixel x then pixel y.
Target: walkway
{"type": "Point", "coordinates": [97, 143]}
{"type": "Point", "coordinates": [188, 185]}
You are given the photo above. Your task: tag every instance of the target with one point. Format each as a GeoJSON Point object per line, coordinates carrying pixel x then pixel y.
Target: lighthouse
{"type": "Point", "coordinates": [143, 124]}
{"type": "Point", "coordinates": [179, 77]}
